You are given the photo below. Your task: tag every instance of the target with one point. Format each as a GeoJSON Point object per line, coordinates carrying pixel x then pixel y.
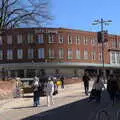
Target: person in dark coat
{"type": "Point", "coordinates": [43, 79]}
{"type": "Point", "coordinates": [62, 81]}
{"type": "Point", "coordinates": [86, 83]}
{"type": "Point", "coordinates": [112, 87]}
{"type": "Point", "coordinates": [36, 87]}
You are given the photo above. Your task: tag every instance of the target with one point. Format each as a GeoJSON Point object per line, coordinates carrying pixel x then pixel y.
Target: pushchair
{"type": "Point", "coordinates": [93, 95]}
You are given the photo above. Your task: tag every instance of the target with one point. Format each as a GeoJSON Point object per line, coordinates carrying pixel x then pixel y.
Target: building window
{"type": "Point", "coordinates": [61, 39]}
{"type": "Point", "coordinates": [0, 40]}
{"type": "Point", "coordinates": [118, 43]}
{"type": "Point", "coordinates": [100, 56]}
{"type": "Point", "coordinates": [93, 41]}
{"type": "Point", "coordinates": [19, 53]}
{"type": "Point", "coordinates": [41, 53]}
{"type": "Point", "coordinates": [85, 54]}
{"type": "Point", "coordinates": [9, 54]}
{"type": "Point", "coordinates": [78, 53]}
{"type": "Point", "coordinates": [69, 39]}
{"type": "Point", "coordinates": [40, 39]}
{"type": "Point", "coordinates": [30, 53]}
{"type": "Point", "coordinates": [85, 40]}
{"type": "Point", "coordinates": [69, 53]}
{"type": "Point", "coordinates": [93, 54]}
{"type": "Point", "coordinates": [30, 38]}
{"type": "Point", "coordinates": [1, 54]}
{"type": "Point", "coordinates": [114, 43]}
{"type": "Point", "coordinates": [77, 40]}
{"type": "Point", "coordinates": [50, 38]}
{"type": "Point", "coordinates": [9, 39]}
{"type": "Point", "coordinates": [19, 39]}
{"type": "Point", "coordinates": [61, 53]}
{"type": "Point", "coordinates": [118, 57]}
{"type": "Point", "coordinates": [115, 57]}
{"type": "Point", "coordinates": [51, 53]}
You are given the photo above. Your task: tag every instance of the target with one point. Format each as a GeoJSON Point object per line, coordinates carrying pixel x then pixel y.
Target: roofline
{"type": "Point", "coordinates": [60, 28]}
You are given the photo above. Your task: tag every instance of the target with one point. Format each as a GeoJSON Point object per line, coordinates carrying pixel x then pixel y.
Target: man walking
{"type": "Point", "coordinates": [86, 83]}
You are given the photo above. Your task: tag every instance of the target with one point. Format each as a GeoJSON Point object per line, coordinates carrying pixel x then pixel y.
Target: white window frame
{"type": "Point", "coordinates": [86, 55]}
{"type": "Point", "coordinates": [30, 53]}
{"type": "Point", "coordinates": [113, 43]}
{"type": "Point", "coordinates": [61, 53]}
{"type": "Point", "coordinates": [51, 53]}
{"type": "Point", "coordinates": [9, 54]}
{"type": "Point", "coordinates": [77, 39]}
{"type": "Point", "coordinates": [41, 53]}
{"type": "Point", "coordinates": [85, 40]}
{"type": "Point", "coordinates": [9, 39]}
{"type": "Point", "coordinates": [93, 55]}
{"type": "Point", "coordinates": [93, 40]}
{"type": "Point", "coordinates": [69, 39]}
{"type": "Point", "coordinates": [100, 56]}
{"type": "Point", "coordinates": [1, 54]}
{"type": "Point", "coordinates": [50, 38]}
{"type": "Point", "coordinates": [70, 53]}
{"type": "Point", "coordinates": [114, 57]}
{"type": "Point", "coordinates": [20, 53]}
{"type": "Point", "coordinates": [61, 39]}
{"type": "Point", "coordinates": [1, 42]}
{"type": "Point", "coordinates": [30, 38]}
{"type": "Point", "coordinates": [40, 38]}
{"type": "Point", "coordinates": [19, 39]}
{"type": "Point", "coordinates": [78, 56]}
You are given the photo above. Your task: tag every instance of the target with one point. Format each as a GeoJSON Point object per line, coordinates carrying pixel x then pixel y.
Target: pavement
{"type": "Point", "coordinates": [71, 103]}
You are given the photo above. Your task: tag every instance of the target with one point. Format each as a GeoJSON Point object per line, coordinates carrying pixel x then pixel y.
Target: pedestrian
{"type": "Point", "coordinates": [43, 78]}
{"type": "Point", "coordinates": [36, 92]}
{"type": "Point", "coordinates": [86, 80]}
{"type": "Point", "coordinates": [50, 91]}
{"type": "Point", "coordinates": [62, 81]}
{"type": "Point", "coordinates": [97, 87]}
{"type": "Point", "coordinates": [55, 86]}
{"type": "Point", "coordinates": [112, 87]}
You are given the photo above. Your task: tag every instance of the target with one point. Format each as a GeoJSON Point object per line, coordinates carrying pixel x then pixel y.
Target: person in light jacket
{"type": "Point", "coordinates": [98, 85]}
{"type": "Point", "coordinates": [50, 91]}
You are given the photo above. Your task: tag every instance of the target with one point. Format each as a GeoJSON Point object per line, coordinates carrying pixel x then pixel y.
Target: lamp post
{"type": "Point", "coordinates": [102, 22]}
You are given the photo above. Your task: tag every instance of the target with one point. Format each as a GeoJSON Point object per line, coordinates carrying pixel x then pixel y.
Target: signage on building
{"type": "Point", "coordinates": [46, 31]}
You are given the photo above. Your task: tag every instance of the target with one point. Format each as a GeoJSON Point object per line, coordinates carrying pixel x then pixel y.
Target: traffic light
{"type": "Point", "coordinates": [99, 36]}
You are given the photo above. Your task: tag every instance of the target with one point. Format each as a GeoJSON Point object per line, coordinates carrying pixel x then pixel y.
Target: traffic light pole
{"type": "Point", "coordinates": [102, 37]}
{"type": "Point", "coordinates": [102, 23]}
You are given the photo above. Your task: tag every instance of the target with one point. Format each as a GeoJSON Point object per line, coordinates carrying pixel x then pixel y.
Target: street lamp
{"type": "Point", "coordinates": [102, 22]}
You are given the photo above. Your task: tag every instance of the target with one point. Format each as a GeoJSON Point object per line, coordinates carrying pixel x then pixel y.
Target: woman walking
{"type": "Point", "coordinates": [97, 89]}
{"type": "Point", "coordinates": [50, 91]}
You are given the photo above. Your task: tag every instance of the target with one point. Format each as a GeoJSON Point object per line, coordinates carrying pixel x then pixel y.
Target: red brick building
{"type": "Point", "coordinates": [24, 51]}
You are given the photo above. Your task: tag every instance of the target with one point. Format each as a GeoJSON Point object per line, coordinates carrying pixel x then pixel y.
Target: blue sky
{"type": "Point", "coordinates": [79, 14]}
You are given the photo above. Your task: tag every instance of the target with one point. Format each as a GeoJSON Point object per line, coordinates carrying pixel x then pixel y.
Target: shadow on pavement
{"type": "Point", "coordinates": [27, 107]}
{"type": "Point", "coordinates": [79, 110]}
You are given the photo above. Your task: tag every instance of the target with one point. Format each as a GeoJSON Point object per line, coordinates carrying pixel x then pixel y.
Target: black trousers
{"type": "Point", "coordinates": [86, 87]}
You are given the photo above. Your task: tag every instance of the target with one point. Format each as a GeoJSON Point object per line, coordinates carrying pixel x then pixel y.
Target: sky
{"type": "Point", "coordinates": [80, 14]}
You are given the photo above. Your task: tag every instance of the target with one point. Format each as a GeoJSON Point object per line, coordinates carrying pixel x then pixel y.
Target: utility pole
{"type": "Point", "coordinates": [102, 22]}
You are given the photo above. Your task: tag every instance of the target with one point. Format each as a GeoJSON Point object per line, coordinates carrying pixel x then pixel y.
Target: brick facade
{"type": "Point", "coordinates": [88, 42]}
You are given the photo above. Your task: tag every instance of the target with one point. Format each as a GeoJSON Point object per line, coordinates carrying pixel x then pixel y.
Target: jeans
{"type": "Point", "coordinates": [36, 98]}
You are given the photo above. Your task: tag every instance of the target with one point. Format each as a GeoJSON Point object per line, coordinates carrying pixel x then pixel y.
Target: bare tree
{"type": "Point", "coordinates": [14, 13]}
